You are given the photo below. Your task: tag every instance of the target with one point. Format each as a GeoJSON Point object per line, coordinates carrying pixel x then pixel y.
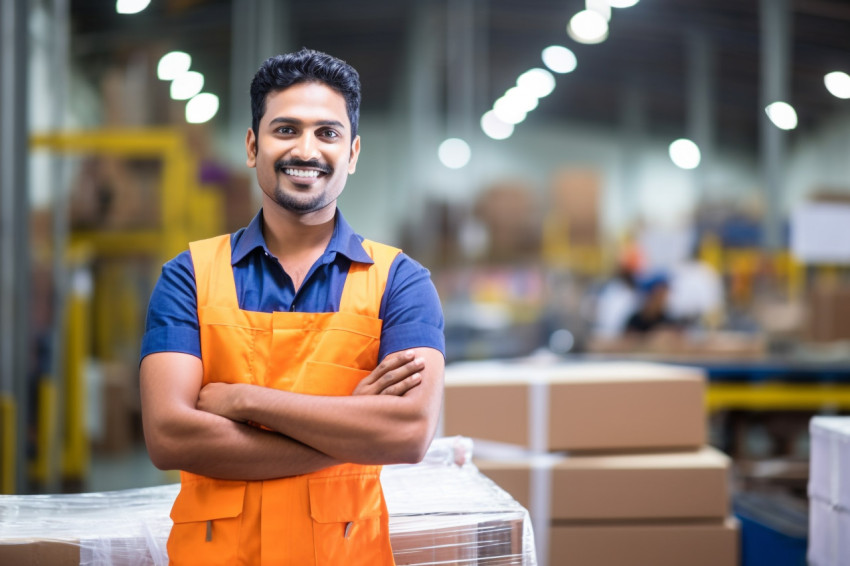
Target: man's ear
{"type": "Point", "coordinates": [251, 148]}
{"type": "Point", "coordinates": [355, 153]}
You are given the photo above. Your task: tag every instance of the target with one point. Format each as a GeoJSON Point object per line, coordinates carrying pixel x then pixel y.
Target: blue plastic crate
{"type": "Point", "coordinates": [774, 530]}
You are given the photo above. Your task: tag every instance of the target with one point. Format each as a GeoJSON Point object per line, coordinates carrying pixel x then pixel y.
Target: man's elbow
{"type": "Point", "coordinates": [417, 442]}
{"type": "Point", "coordinates": [162, 450]}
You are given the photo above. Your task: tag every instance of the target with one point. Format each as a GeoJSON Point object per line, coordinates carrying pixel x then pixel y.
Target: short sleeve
{"type": "Point", "coordinates": [411, 311]}
{"type": "Point", "coordinates": [172, 319]}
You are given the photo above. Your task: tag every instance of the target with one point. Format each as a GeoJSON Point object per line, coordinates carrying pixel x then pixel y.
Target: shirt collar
{"type": "Point", "coordinates": [344, 241]}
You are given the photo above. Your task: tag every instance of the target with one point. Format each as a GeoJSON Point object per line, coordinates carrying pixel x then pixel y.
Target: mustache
{"type": "Point", "coordinates": [298, 163]}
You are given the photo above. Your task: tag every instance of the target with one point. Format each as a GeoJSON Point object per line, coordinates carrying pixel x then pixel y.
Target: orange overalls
{"type": "Point", "coordinates": [336, 516]}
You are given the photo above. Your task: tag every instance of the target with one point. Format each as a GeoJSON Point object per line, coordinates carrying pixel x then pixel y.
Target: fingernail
{"type": "Point", "coordinates": [420, 360]}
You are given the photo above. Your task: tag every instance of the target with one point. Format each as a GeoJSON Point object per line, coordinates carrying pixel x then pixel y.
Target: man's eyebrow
{"type": "Point", "coordinates": [297, 122]}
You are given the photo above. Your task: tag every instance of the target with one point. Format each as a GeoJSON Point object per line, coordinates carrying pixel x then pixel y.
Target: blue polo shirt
{"type": "Point", "coordinates": [410, 309]}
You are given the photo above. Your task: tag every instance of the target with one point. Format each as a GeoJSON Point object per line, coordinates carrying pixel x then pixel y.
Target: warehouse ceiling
{"type": "Point", "coordinates": [647, 53]}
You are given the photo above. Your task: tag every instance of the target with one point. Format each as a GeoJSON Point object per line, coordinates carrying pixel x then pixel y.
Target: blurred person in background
{"type": "Point", "coordinates": [619, 297]}
{"type": "Point", "coordinates": [696, 294]}
{"type": "Point", "coordinates": [651, 314]}
{"type": "Point", "coordinates": [284, 363]}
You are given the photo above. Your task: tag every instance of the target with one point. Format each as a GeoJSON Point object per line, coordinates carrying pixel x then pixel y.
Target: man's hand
{"type": "Point", "coordinates": [221, 399]}
{"type": "Point", "coordinates": [396, 375]}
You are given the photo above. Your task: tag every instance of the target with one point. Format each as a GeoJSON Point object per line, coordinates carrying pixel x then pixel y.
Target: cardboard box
{"type": "Point", "coordinates": [679, 485]}
{"type": "Point", "coordinates": [574, 205]}
{"type": "Point", "coordinates": [694, 544]}
{"type": "Point", "coordinates": [579, 406]}
{"type": "Point", "coordinates": [39, 553]}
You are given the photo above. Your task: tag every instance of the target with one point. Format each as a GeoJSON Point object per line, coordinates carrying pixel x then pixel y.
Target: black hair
{"type": "Point", "coordinates": [283, 71]}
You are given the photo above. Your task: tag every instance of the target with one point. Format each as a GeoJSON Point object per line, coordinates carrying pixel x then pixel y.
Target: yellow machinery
{"type": "Point", "coordinates": [187, 211]}
{"type": "Point", "coordinates": [778, 396]}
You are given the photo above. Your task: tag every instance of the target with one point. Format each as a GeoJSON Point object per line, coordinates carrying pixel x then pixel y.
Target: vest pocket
{"type": "Point", "coordinates": [320, 378]}
{"type": "Point", "coordinates": [347, 513]}
{"type": "Point", "coordinates": [207, 517]}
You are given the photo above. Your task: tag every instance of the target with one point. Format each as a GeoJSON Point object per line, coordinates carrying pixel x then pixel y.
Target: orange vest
{"type": "Point", "coordinates": [335, 516]}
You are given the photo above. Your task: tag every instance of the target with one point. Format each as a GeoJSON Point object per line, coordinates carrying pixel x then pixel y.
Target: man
{"type": "Point", "coordinates": [283, 364]}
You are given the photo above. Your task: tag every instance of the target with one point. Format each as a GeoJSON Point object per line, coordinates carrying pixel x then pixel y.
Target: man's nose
{"type": "Point", "coordinates": [306, 148]}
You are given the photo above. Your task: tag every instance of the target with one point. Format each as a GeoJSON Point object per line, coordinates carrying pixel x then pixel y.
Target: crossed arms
{"type": "Point", "coordinates": [390, 418]}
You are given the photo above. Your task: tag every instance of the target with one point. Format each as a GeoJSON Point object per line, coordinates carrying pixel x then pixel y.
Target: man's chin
{"type": "Point", "coordinates": [300, 206]}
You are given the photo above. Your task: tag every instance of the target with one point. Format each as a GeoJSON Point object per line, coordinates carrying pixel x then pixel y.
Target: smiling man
{"type": "Point", "coordinates": [283, 364]}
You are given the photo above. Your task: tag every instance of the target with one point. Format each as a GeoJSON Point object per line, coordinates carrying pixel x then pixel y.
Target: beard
{"type": "Point", "coordinates": [298, 205]}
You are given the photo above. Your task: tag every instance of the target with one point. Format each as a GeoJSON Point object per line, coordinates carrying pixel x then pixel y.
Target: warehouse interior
{"type": "Point", "coordinates": [662, 227]}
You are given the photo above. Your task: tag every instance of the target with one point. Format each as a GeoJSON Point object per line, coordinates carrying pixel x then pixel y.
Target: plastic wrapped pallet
{"type": "Point", "coordinates": [442, 511]}
{"type": "Point", "coordinates": [829, 492]}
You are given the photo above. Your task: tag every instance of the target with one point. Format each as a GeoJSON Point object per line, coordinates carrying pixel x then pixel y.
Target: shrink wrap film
{"type": "Point", "coordinates": [829, 492]}
{"type": "Point", "coordinates": [442, 511]}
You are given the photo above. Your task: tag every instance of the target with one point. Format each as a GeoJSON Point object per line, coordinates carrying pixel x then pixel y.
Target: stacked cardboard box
{"type": "Point", "coordinates": [609, 458]}
{"type": "Point", "coordinates": [829, 492]}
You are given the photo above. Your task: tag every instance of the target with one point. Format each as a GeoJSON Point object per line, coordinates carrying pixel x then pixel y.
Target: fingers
{"type": "Point", "coordinates": [403, 386]}
{"type": "Point", "coordinates": [401, 379]}
{"type": "Point", "coordinates": [395, 361]}
{"type": "Point", "coordinates": [400, 373]}
{"type": "Point", "coordinates": [393, 376]}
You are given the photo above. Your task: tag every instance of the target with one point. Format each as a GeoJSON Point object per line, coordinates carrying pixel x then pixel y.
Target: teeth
{"type": "Point", "coordinates": [301, 173]}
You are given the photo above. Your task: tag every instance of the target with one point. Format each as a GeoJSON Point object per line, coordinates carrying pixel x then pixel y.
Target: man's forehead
{"type": "Point", "coordinates": [313, 98]}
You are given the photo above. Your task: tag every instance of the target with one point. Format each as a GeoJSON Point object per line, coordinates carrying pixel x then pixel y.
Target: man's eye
{"type": "Point", "coordinates": [330, 134]}
{"type": "Point", "coordinates": [285, 130]}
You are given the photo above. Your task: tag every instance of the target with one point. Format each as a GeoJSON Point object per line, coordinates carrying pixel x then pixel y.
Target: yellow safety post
{"type": "Point", "coordinates": [41, 470]}
{"type": "Point", "coordinates": [794, 273]}
{"type": "Point", "coordinates": [711, 252]}
{"type": "Point", "coordinates": [77, 452]}
{"type": "Point", "coordinates": [9, 439]}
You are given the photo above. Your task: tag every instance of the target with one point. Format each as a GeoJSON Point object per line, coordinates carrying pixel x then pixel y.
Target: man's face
{"type": "Point", "coordinates": [303, 150]}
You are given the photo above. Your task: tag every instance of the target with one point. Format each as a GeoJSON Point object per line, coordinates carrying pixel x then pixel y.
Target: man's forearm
{"type": "Point", "coordinates": [365, 429]}
{"type": "Point", "coordinates": [214, 446]}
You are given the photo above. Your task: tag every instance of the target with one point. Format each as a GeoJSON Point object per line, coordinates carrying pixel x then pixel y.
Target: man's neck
{"type": "Point", "coordinates": [291, 236]}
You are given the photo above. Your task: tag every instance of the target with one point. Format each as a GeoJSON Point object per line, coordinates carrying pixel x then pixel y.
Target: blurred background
{"type": "Point", "coordinates": [663, 179]}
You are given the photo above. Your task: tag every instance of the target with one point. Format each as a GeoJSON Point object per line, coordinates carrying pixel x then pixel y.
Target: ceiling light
{"type": "Point", "coordinates": [521, 98]}
{"type": "Point", "coordinates": [685, 153]}
{"type": "Point", "coordinates": [172, 65]}
{"type": "Point", "coordinates": [782, 115]}
{"type": "Point", "coordinates": [622, 3]}
{"type": "Point", "coordinates": [201, 108]}
{"type": "Point", "coordinates": [559, 59]}
{"type": "Point", "coordinates": [537, 82]}
{"type": "Point", "coordinates": [601, 7]}
{"type": "Point", "coordinates": [508, 111]}
{"type": "Point", "coordinates": [838, 84]}
{"type": "Point", "coordinates": [588, 27]}
{"type": "Point", "coordinates": [454, 153]}
{"type": "Point", "coordinates": [494, 127]}
{"type": "Point", "coordinates": [187, 85]}
{"type": "Point", "coordinates": [131, 6]}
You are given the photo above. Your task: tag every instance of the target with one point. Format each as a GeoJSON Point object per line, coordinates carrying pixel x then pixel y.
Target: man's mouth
{"type": "Point", "coordinates": [303, 173]}
{"type": "Point", "coordinates": [304, 170]}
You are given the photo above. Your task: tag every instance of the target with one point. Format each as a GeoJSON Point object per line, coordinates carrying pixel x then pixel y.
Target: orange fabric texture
{"type": "Point", "coordinates": [333, 516]}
